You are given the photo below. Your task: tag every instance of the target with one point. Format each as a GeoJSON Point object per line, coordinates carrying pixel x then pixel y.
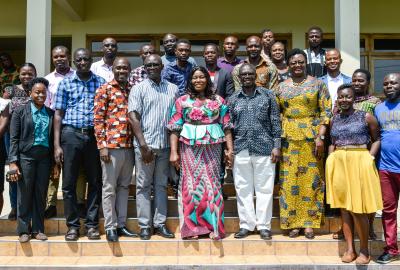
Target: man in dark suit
{"type": "Point", "coordinates": [222, 79]}
{"type": "Point", "coordinates": [31, 155]}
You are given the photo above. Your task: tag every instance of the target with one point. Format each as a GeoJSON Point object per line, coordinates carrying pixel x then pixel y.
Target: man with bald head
{"type": "Point", "coordinates": [334, 78]}
{"type": "Point", "coordinates": [150, 104]}
{"type": "Point", "coordinates": [114, 141]}
{"type": "Point", "coordinates": [267, 73]}
{"type": "Point", "coordinates": [139, 74]}
{"type": "Point", "coordinates": [169, 45]}
{"type": "Point", "coordinates": [75, 143]}
{"type": "Point", "coordinates": [103, 67]}
{"type": "Point", "coordinates": [388, 115]}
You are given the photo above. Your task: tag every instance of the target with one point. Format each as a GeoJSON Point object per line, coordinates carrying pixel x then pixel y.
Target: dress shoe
{"type": "Point", "coordinates": [23, 238]}
{"type": "Point", "coordinates": [242, 233]}
{"type": "Point", "coordinates": [13, 214]}
{"type": "Point", "coordinates": [112, 235]}
{"type": "Point", "coordinates": [265, 234]}
{"type": "Point", "coordinates": [125, 232]}
{"type": "Point", "coordinates": [164, 232]}
{"type": "Point", "coordinates": [39, 236]}
{"type": "Point", "coordinates": [72, 235]}
{"type": "Point", "coordinates": [93, 234]}
{"type": "Point", "coordinates": [145, 234]}
{"type": "Point", "coordinates": [50, 212]}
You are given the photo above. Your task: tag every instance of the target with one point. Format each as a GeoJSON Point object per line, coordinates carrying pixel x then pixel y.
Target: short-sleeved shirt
{"type": "Point", "coordinates": [153, 102]}
{"type": "Point", "coordinates": [54, 79]}
{"type": "Point", "coordinates": [41, 121]}
{"type": "Point", "coordinates": [76, 98]}
{"type": "Point", "coordinates": [176, 75]}
{"type": "Point", "coordinates": [256, 122]}
{"type": "Point", "coordinates": [388, 115]}
{"type": "Point", "coordinates": [137, 75]}
{"type": "Point", "coordinates": [228, 66]}
{"type": "Point", "coordinates": [100, 68]}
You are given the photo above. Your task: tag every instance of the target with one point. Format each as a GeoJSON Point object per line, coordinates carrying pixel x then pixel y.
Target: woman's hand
{"type": "Point", "coordinates": [174, 159]}
{"type": "Point", "coordinates": [56, 171]}
{"type": "Point", "coordinates": [319, 148]}
{"type": "Point", "coordinates": [14, 172]}
{"type": "Point", "coordinates": [228, 158]}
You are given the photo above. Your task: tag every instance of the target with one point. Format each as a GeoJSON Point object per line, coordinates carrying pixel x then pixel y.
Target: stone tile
{"type": "Point", "coordinates": [51, 226]}
{"type": "Point", "coordinates": [228, 259]}
{"type": "Point", "coordinates": [326, 259]}
{"type": "Point", "coordinates": [264, 260]}
{"type": "Point", "coordinates": [231, 225]}
{"type": "Point", "coordinates": [194, 260]}
{"type": "Point", "coordinates": [21, 260]}
{"type": "Point", "coordinates": [4, 260]}
{"type": "Point", "coordinates": [33, 248]}
{"type": "Point", "coordinates": [226, 248]}
{"type": "Point", "coordinates": [376, 247]}
{"type": "Point", "coordinates": [93, 260]}
{"type": "Point", "coordinates": [161, 248]}
{"type": "Point", "coordinates": [173, 225]}
{"type": "Point", "coordinates": [65, 249]}
{"type": "Point", "coordinates": [160, 260]}
{"type": "Point", "coordinates": [130, 248]}
{"type": "Point", "coordinates": [8, 249]}
{"type": "Point", "coordinates": [189, 248]}
{"type": "Point", "coordinates": [60, 260]}
{"type": "Point", "coordinates": [276, 226]}
{"type": "Point", "coordinates": [95, 248]}
{"type": "Point", "coordinates": [132, 224]}
{"type": "Point", "coordinates": [290, 248]}
{"type": "Point", "coordinates": [258, 247]}
{"type": "Point", "coordinates": [8, 226]}
{"type": "Point", "coordinates": [323, 248]}
{"type": "Point", "coordinates": [294, 259]}
{"type": "Point", "coordinates": [127, 260]}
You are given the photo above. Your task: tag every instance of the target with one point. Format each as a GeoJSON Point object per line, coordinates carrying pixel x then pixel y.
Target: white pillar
{"type": "Point", "coordinates": [38, 34]}
{"type": "Point", "coordinates": [347, 33]}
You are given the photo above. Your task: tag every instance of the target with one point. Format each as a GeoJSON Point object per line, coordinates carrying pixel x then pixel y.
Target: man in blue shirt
{"type": "Point", "coordinates": [169, 44]}
{"type": "Point", "coordinates": [178, 72]}
{"type": "Point", "coordinates": [75, 143]}
{"type": "Point", "coordinates": [388, 115]}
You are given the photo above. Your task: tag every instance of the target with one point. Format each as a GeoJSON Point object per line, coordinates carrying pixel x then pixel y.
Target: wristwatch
{"type": "Point", "coordinates": [322, 137]}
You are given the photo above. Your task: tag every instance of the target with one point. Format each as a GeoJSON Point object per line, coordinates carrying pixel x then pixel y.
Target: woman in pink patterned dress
{"type": "Point", "coordinates": [200, 123]}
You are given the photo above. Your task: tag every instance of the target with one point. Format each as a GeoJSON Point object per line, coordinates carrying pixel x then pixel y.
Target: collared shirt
{"type": "Point", "coordinates": [76, 98]}
{"type": "Point", "coordinates": [111, 125]}
{"type": "Point", "coordinates": [176, 75]}
{"type": "Point", "coordinates": [100, 68]}
{"type": "Point", "coordinates": [333, 84]}
{"type": "Point", "coordinates": [228, 66]}
{"type": "Point", "coordinates": [41, 120]}
{"type": "Point", "coordinates": [153, 103]}
{"type": "Point", "coordinates": [256, 122]}
{"type": "Point", "coordinates": [166, 59]}
{"type": "Point", "coordinates": [267, 74]}
{"type": "Point", "coordinates": [137, 75]}
{"type": "Point", "coordinates": [54, 79]}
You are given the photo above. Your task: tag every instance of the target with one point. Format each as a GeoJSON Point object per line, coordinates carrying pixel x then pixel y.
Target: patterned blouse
{"type": "Point", "coordinates": [350, 129]}
{"type": "Point", "coordinates": [112, 129]}
{"type": "Point", "coordinates": [366, 104]}
{"type": "Point", "coordinates": [200, 121]}
{"type": "Point", "coordinates": [18, 96]}
{"type": "Point", "coordinates": [304, 108]}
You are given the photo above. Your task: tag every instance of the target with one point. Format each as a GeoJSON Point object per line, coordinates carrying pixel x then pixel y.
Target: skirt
{"type": "Point", "coordinates": [200, 200]}
{"type": "Point", "coordinates": [352, 181]}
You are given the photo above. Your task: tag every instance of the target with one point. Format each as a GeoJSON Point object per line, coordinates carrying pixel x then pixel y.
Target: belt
{"type": "Point", "coordinates": [83, 130]}
{"type": "Point", "coordinates": [352, 146]}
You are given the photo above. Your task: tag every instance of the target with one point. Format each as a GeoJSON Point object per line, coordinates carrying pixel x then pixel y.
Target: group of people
{"type": "Point", "coordinates": [290, 116]}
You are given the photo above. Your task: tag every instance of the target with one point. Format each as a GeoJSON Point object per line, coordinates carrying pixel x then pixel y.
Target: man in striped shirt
{"type": "Point", "coordinates": [149, 107]}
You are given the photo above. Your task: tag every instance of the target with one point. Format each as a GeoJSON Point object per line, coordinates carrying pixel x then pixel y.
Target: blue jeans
{"type": "Point", "coordinates": [13, 185]}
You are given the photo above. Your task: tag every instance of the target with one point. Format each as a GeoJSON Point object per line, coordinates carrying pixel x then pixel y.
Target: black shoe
{"type": "Point", "coordinates": [93, 234]}
{"type": "Point", "coordinates": [13, 214]}
{"type": "Point", "coordinates": [82, 210]}
{"type": "Point", "coordinates": [242, 233]}
{"type": "Point", "coordinates": [387, 258]}
{"type": "Point", "coordinates": [72, 235]}
{"type": "Point", "coordinates": [50, 212]}
{"type": "Point", "coordinates": [145, 234]}
{"type": "Point", "coordinates": [112, 235]}
{"type": "Point", "coordinates": [164, 232]}
{"type": "Point", "coordinates": [265, 234]}
{"type": "Point", "coordinates": [125, 232]}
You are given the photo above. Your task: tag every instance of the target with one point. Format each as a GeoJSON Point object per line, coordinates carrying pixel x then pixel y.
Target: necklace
{"type": "Point", "coordinates": [299, 83]}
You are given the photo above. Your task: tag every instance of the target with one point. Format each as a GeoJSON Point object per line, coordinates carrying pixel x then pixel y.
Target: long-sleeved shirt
{"type": "Point", "coordinates": [176, 75]}
{"type": "Point", "coordinates": [256, 122]}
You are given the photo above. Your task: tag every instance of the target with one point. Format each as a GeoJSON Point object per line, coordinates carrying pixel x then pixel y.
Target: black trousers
{"type": "Point", "coordinates": [80, 149]}
{"type": "Point", "coordinates": [35, 166]}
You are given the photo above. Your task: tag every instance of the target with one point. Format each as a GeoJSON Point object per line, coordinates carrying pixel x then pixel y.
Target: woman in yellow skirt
{"type": "Point", "coordinates": [352, 181]}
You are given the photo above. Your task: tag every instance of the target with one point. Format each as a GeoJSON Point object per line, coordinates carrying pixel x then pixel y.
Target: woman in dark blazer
{"type": "Point", "coordinates": [30, 159]}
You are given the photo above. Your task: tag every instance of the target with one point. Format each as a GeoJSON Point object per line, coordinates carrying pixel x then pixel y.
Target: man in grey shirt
{"type": "Point", "coordinates": [149, 107]}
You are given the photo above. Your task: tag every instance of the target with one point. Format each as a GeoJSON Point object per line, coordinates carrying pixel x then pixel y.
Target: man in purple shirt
{"type": "Point", "coordinates": [229, 60]}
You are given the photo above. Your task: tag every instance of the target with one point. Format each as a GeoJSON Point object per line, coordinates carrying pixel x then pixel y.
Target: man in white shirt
{"type": "Point", "coordinates": [334, 78]}
{"type": "Point", "coordinates": [103, 67]}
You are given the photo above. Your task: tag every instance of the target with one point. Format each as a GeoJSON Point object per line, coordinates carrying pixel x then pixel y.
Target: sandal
{"type": "Point", "coordinates": [294, 233]}
{"type": "Point", "coordinates": [363, 259]}
{"type": "Point", "coordinates": [338, 235]}
{"type": "Point", "coordinates": [194, 237]}
{"type": "Point", "coordinates": [348, 257]}
{"type": "Point", "coordinates": [309, 234]}
{"type": "Point", "coordinates": [214, 237]}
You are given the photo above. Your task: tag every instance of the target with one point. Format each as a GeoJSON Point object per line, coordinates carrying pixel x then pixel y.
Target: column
{"type": "Point", "coordinates": [347, 33]}
{"type": "Point", "coordinates": [38, 34]}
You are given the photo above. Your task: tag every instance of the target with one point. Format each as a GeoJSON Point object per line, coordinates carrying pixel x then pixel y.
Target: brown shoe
{"type": "Point", "coordinates": [363, 259]}
{"type": "Point", "coordinates": [348, 257]}
{"type": "Point", "coordinates": [23, 238]}
{"type": "Point", "coordinates": [93, 234]}
{"type": "Point", "coordinates": [39, 236]}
